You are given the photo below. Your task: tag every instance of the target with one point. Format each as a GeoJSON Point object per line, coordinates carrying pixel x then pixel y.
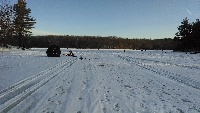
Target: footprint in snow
{"type": "Point", "coordinates": [104, 110]}
{"type": "Point", "coordinates": [116, 107]}
{"type": "Point", "coordinates": [60, 90]}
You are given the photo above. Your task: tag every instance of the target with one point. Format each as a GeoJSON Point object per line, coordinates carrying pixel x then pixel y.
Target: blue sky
{"type": "Point", "coordinates": [123, 18]}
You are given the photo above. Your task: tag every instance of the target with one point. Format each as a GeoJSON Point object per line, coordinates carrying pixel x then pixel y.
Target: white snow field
{"type": "Point", "coordinates": [104, 81]}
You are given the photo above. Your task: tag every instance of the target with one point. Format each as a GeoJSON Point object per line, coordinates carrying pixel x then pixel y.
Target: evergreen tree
{"type": "Point", "coordinates": [23, 22]}
{"type": "Point", "coordinates": [183, 35]}
{"type": "Point", "coordinates": [196, 35]}
{"type": "Point", "coordinates": [6, 25]}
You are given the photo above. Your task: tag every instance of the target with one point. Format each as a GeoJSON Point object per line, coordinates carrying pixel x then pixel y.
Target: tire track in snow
{"type": "Point", "coordinates": [168, 63]}
{"type": "Point", "coordinates": [41, 74]}
{"type": "Point", "coordinates": [184, 80]}
{"type": "Point", "coordinates": [16, 93]}
{"type": "Point", "coordinates": [59, 90]}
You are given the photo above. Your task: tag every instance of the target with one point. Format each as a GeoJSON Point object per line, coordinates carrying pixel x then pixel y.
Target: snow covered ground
{"type": "Point", "coordinates": [104, 81]}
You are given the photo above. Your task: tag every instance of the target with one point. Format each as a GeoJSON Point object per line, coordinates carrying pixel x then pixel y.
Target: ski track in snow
{"type": "Point", "coordinates": [16, 93]}
{"type": "Point", "coordinates": [105, 81]}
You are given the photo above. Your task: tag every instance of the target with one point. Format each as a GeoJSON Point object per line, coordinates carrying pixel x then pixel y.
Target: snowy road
{"type": "Point", "coordinates": [105, 81]}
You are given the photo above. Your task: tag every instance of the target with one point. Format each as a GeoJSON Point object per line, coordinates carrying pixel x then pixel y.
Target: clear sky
{"type": "Point", "coordinates": [122, 18]}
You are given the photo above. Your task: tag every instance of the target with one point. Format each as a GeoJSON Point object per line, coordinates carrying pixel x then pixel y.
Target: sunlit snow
{"type": "Point", "coordinates": [104, 81]}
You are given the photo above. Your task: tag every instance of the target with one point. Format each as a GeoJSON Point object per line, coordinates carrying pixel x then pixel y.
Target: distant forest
{"type": "Point", "coordinates": [96, 42]}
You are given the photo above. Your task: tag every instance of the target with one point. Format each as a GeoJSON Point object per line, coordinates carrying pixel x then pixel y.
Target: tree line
{"type": "Point", "coordinates": [98, 42]}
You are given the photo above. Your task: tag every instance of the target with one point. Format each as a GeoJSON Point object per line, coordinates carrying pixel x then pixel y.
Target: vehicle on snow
{"type": "Point", "coordinates": [53, 51]}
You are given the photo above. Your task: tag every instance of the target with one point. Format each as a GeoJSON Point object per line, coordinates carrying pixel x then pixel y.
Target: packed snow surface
{"type": "Point", "coordinates": [104, 81]}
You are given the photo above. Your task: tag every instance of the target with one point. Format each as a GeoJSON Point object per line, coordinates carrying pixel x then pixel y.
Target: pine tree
{"type": "Point", "coordinates": [6, 25]}
{"type": "Point", "coordinates": [183, 36]}
{"type": "Point", "coordinates": [23, 22]}
{"type": "Point", "coordinates": [196, 35]}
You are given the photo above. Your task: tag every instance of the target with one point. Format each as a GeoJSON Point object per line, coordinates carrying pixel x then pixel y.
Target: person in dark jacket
{"type": "Point", "coordinates": [70, 53]}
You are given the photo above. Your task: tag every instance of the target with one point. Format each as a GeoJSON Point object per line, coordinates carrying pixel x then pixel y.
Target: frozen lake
{"type": "Point", "coordinates": [104, 81]}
